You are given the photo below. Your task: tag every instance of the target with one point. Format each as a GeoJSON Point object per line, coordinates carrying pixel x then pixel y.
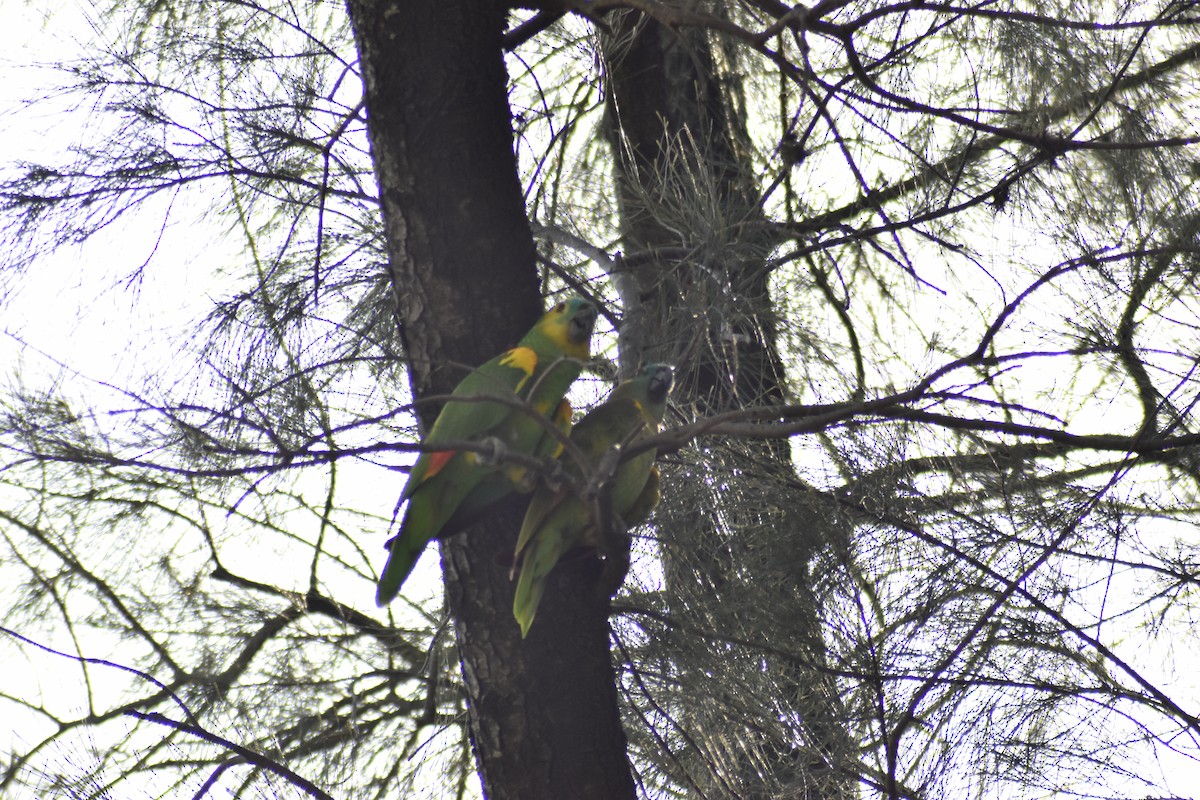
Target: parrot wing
{"type": "Point", "coordinates": [605, 425]}
{"type": "Point", "coordinates": [463, 419]}
{"type": "Point", "coordinates": [557, 520]}
{"type": "Point", "coordinates": [646, 501]}
{"type": "Point", "coordinates": [557, 534]}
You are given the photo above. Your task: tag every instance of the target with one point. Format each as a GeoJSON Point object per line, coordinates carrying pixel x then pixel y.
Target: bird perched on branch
{"type": "Point", "coordinates": [559, 518]}
{"type": "Point", "coordinates": [447, 489]}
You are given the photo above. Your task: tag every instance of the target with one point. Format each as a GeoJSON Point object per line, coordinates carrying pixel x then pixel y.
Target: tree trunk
{"type": "Point", "coordinates": [687, 194]}
{"type": "Point", "coordinates": [543, 711]}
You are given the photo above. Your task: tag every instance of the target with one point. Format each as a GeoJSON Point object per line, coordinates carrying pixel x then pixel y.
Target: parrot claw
{"type": "Point", "coordinates": [496, 452]}
{"type": "Point", "coordinates": [554, 476]}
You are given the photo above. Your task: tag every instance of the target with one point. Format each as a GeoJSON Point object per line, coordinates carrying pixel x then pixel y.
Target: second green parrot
{"type": "Point", "coordinates": [447, 489]}
{"type": "Point", "coordinates": [558, 519]}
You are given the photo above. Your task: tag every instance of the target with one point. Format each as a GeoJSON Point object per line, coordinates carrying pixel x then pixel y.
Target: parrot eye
{"type": "Point", "coordinates": [558, 309]}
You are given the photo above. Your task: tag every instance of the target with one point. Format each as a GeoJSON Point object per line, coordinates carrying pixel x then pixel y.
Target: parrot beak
{"type": "Point", "coordinates": [660, 383]}
{"type": "Point", "coordinates": [582, 322]}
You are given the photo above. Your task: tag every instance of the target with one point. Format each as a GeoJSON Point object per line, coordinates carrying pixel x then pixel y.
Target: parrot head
{"type": "Point", "coordinates": [648, 390]}
{"type": "Point", "coordinates": [581, 318]}
{"type": "Point", "coordinates": [659, 378]}
{"type": "Point", "coordinates": [568, 326]}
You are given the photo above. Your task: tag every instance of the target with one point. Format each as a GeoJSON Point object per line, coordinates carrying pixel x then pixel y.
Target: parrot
{"type": "Point", "coordinates": [558, 519]}
{"type": "Point", "coordinates": [448, 489]}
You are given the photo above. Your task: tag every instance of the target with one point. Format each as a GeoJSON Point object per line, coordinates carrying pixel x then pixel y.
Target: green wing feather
{"type": "Point", "coordinates": [462, 419]}
{"type": "Point", "coordinates": [646, 501]}
{"type": "Point", "coordinates": [432, 499]}
{"type": "Point", "coordinates": [495, 486]}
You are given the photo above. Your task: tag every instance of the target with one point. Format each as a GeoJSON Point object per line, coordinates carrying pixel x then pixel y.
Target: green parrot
{"type": "Point", "coordinates": [558, 519]}
{"type": "Point", "coordinates": [448, 489]}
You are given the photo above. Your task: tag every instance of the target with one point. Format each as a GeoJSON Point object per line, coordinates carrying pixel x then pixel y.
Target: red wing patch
{"type": "Point", "coordinates": [437, 460]}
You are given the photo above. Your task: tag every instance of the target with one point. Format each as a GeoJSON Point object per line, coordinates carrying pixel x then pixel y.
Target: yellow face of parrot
{"type": "Point", "coordinates": [568, 326]}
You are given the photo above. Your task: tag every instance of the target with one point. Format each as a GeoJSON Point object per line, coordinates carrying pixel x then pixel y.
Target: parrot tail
{"type": "Point", "coordinates": [405, 552]}
{"type": "Point", "coordinates": [527, 596]}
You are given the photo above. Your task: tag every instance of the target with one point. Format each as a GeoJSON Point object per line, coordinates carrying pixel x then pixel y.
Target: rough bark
{"type": "Point", "coordinates": [543, 712]}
